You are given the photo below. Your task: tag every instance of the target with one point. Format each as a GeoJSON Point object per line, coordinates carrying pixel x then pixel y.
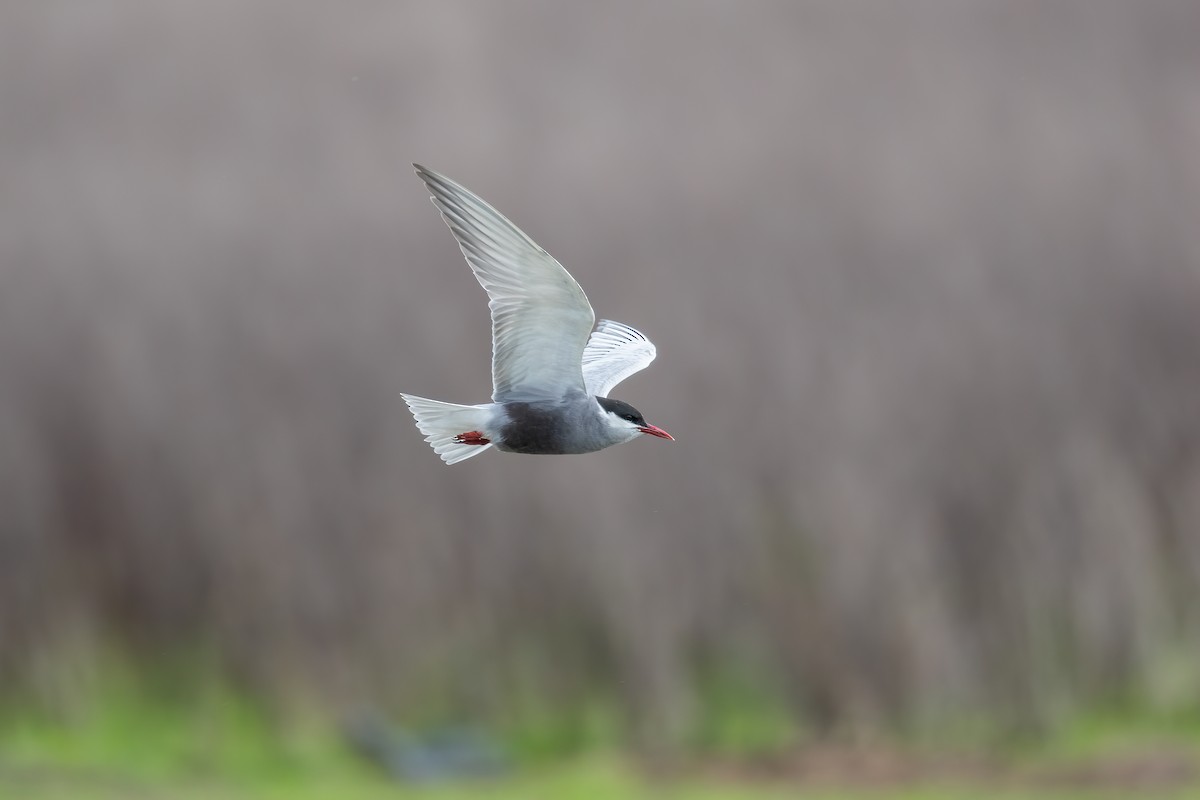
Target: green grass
{"type": "Point", "coordinates": [154, 738]}
{"type": "Point", "coordinates": [593, 778]}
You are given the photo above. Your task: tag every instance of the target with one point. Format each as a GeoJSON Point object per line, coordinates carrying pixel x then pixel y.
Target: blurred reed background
{"type": "Point", "coordinates": [925, 283]}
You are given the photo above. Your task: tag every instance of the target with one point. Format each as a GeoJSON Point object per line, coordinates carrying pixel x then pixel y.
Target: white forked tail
{"type": "Point", "coordinates": [445, 423]}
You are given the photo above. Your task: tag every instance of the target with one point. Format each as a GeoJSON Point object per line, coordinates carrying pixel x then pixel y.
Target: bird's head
{"type": "Point", "coordinates": [623, 419]}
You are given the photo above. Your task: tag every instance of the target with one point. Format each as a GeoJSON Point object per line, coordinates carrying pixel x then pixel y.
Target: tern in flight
{"type": "Point", "coordinates": [551, 372]}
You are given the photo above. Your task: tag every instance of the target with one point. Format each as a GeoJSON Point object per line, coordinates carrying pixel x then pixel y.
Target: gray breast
{"type": "Point", "coordinates": [570, 425]}
{"type": "Point", "coordinates": [535, 428]}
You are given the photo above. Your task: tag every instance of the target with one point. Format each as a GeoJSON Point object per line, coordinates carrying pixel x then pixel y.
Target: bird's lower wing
{"type": "Point", "coordinates": [613, 353]}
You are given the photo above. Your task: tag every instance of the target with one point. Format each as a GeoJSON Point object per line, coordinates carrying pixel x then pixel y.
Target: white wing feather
{"type": "Point", "coordinates": [540, 315]}
{"type": "Point", "coordinates": [613, 353]}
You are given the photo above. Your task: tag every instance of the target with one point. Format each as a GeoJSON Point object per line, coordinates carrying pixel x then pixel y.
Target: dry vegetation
{"type": "Point", "coordinates": [924, 278]}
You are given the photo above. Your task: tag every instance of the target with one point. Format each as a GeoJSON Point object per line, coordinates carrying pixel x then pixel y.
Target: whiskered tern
{"type": "Point", "coordinates": [551, 372]}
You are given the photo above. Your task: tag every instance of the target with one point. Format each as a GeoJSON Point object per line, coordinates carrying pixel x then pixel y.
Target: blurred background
{"type": "Point", "coordinates": [925, 282]}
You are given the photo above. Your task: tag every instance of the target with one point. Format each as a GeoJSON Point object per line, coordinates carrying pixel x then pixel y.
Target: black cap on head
{"type": "Point", "coordinates": [622, 410]}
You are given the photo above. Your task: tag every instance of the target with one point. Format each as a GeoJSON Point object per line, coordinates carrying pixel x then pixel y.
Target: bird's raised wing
{"type": "Point", "coordinates": [540, 316]}
{"type": "Point", "coordinates": [613, 353]}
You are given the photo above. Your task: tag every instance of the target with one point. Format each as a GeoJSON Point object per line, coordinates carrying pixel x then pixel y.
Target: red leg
{"type": "Point", "coordinates": [472, 437]}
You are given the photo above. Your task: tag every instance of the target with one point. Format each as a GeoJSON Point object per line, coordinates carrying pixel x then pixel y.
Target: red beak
{"type": "Point", "coordinates": [654, 430]}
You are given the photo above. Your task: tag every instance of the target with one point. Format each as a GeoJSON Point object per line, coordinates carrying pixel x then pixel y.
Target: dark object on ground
{"type": "Point", "coordinates": [458, 752]}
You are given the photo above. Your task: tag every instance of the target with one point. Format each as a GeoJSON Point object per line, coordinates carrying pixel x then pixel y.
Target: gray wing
{"type": "Point", "coordinates": [540, 316]}
{"type": "Point", "coordinates": [613, 353]}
